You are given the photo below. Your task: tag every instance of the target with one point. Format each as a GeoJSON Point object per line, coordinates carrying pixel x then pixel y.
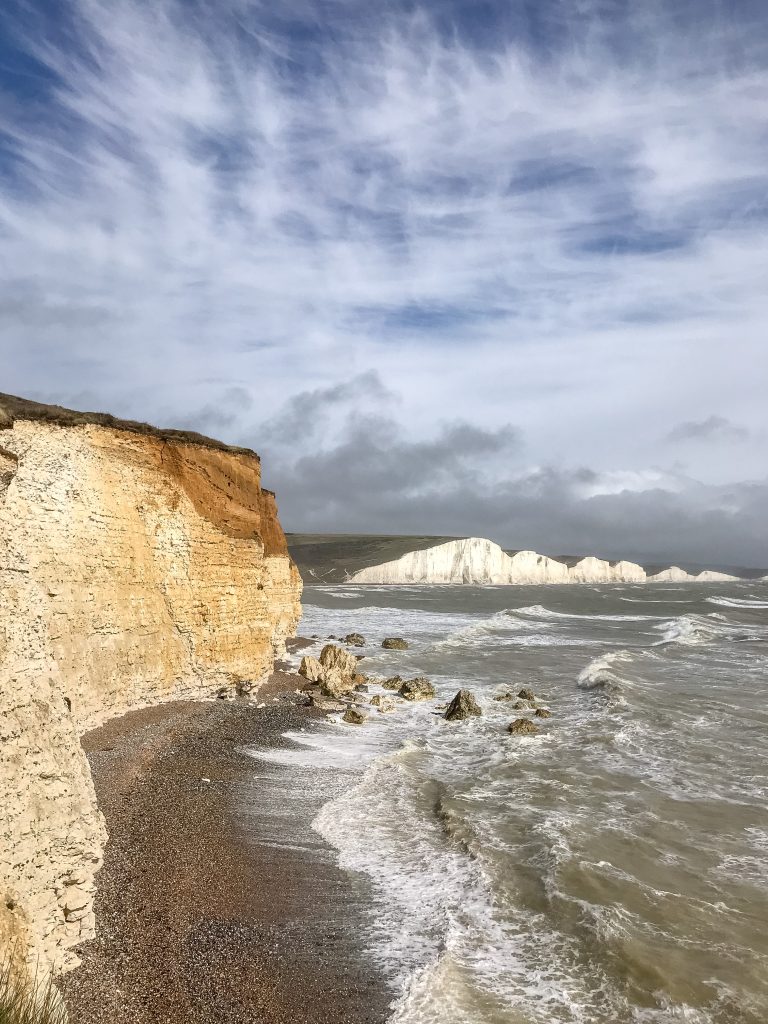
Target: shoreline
{"type": "Point", "coordinates": [202, 914]}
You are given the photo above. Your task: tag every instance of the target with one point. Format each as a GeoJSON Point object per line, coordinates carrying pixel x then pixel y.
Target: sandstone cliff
{"type": "Point", "coordinates": [479, 561]}
{"type": "Point", "coordinates": [136, 566]}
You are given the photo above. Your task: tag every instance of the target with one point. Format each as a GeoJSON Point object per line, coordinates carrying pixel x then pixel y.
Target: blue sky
{"type": "Point", "coordinates": [512, 255]}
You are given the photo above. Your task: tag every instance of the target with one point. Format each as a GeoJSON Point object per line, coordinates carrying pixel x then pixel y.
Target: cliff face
{"type": "Point", "coordinates": [480, 561]}
{"type": "Point", "coordinates": [135, 567]}
{"type": "Point", "coordinates": [476, 560]}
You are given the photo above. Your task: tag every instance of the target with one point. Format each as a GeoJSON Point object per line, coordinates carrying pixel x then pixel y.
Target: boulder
{"type": "Point", "coordinates": [505, 696]}
{"type": "Point", "coordinates": [335, 684]}
{"type": "Point", "coordinates": [324, 704]}
{"type": "Point", "coordinates": [359, 679]}
{"type": "Point", "coordinates": [395, 643]}
{"type": "Point", "coordinates": [336, 658]}
{"type": "Point", "coordinates": [355, 639]}
{"type": "Point", "coordinates": [393, 683]}
{"type": "Point", "coordinates": [462, 706]}
{"type": "Point", "coordinates": [354, 717]}
{"type": "Point", "coordinates": [383, 703]}
{"type": "Point", "coordinates": [361, 688]}
{"type": "Point", "coordinates": [543, 713]}
{"type": "Point", "coordinates": [419, 688]}
{"type": "Point", "coordinates": [311, 669]}
{"type": "Point", "coordinates": [522, 705]}
{"type": "Point", "coordinates": [522, 727]}
{"type": "Point", "coordinates": [526, 693]}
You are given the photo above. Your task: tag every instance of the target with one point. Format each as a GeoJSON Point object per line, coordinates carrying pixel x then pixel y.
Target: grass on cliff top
{"type": "Point", "coordinates": [14, 408]}
{"type": "Point", "coordinates": [25, 1001]}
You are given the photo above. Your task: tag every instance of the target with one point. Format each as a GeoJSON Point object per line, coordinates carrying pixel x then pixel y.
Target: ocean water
{"type": "Point", "coordinates": [612, 868]}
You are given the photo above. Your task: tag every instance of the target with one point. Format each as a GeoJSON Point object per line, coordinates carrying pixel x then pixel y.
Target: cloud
{"type": "Point", "coordinates": [540, 214]}
{"type": "Point", "coordinates": [714, 428]}
{"type": "Point", "coordinates": [366, 475]}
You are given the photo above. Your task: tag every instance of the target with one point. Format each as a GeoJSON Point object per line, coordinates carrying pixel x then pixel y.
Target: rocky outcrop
{"type": "Point", "coordinates": [417, 689]}
{"type": "Point", "coordinates": [478, 561]}
{"type": "Point", "coordinates": [135, 567]}
{"type": "Point", "coordinates": [462, 706]}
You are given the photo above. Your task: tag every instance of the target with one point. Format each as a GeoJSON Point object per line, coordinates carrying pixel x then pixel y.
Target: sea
{"type": "Point", "coordinates": [612, 868]}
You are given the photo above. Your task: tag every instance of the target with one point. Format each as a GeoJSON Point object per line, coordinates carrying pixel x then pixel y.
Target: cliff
{"type": "Point", "coordinates": [136, 566]}
{"type": "Point", "coordinates": [479, 561]}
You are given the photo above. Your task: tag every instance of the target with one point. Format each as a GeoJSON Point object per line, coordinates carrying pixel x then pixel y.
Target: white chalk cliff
{"type": "Point", "coordinates": [476, 560]}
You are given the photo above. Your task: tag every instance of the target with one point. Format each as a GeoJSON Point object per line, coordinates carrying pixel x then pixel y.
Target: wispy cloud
{"type": "Point", "coordinates": [554, 218]}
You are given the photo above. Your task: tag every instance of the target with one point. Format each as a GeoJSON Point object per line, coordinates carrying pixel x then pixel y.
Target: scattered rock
{"type": "Point", "coordinates": [526, 693]}
{"type": "Point", "coordinates": [522, 727]}
{"type": "Point", "coordinates": [354, 717]}
{"type": "Point", "coordinates": [393, 683]}
{"type": "Point", "coordinates": [419, 688]}
{"type": "Point", "coordinates": [333, 657]}
{"type": "Point", "coordinates": [355, 639]}
{"type": "Point", "coordinates": [311, 669]}
{"type": "Point", "coordinates": [462, 706]}
{"type": "Point", "coordinates": [505, 696]}
{"type": "Point", "coordinates": [335, 684]}
{"type": "Point", "coordinates": [522, 705]}
{"type": "Point", "coordinates": [383, 703]}
{"type": "Point", "coordinates": [395, 643]}
{"type": "Point", "coordinates": [324, 704]}
{"type": "Point", "coordinates": [543, 713]}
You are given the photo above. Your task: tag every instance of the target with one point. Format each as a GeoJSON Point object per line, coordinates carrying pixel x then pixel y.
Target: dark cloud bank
{"type": "Point", "coordinates": [340, 462]}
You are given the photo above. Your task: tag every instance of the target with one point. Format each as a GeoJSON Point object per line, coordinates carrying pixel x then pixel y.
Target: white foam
{"type": "Point", "coordinates": [735, 602]}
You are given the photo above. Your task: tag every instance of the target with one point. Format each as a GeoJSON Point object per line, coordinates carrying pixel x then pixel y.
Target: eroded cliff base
{"type": "Point", "coordinates": [202, 917]}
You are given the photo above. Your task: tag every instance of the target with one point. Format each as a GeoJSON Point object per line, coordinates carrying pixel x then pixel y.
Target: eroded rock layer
{"type": "Point", "coordinates": [134, 568]}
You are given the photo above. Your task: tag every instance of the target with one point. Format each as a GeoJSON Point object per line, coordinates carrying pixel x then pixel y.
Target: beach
{"type": "Point", "coordinates": [199, 917]}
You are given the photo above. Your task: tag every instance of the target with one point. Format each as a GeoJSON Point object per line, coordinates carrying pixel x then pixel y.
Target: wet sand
{"type": "Point", "coordinates": [202, 916]}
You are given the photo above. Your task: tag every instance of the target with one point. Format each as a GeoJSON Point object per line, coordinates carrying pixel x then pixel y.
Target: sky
{"type": "Point", "coordinates": [460, 268]}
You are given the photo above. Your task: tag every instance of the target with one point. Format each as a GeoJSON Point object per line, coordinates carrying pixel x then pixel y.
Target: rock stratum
{"type": "Point", "coordinates": [476, 560]}
{"type": "Point", "coordinates": [136, 566]}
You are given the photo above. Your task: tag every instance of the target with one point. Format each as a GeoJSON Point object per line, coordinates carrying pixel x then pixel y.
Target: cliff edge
{"type": "Point", "coordinates": [136, 566]}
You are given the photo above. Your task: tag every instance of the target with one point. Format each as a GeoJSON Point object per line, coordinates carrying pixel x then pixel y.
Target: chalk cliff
{"type": "Point", "coordinates": [136, 566]}
{"type": "Point", "coordinates": [480, 561]}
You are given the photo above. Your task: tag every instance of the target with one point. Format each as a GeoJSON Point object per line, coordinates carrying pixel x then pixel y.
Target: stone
{"type": "Point", "coordinates": [522, 705]}
{"type": "Point", "coordinates": [354, 717]}
{"type": "Point", "coordinates": [393, 683]}
{"type": "Point", "coordinates": [505, 696]}
{"type": "Point", "coordinates": [419, 688]}
{"type": "Point", "coordinates": [543, 713]}
{"type": "Point", "coordinates": [316, 700]}
{"type": "Point", "coordinates": [224, 693]}
{"type": "Point", "coordinates": [355, 639]}
{"type": "Point", "coordinates": [336, 658]}
{"type": "Point", "coordinates": [462, 706]}
{"type": "Point", "coordinates": [244, 688]}
{"type": "Point", "coordinates": [362, 688]}
{"type": "Point", "coordinates": [526, 693]}
{"type": "Point", "coordinates": [383, 703]}
{"type": "Point", "coordinates": [395, 643]}
{"type": "Point", "coordinates": [311, 669]}
{"type": "Point", "coordinates": [359, 679]}
{"type": "Point", "coordinates": [522, 727]}
{"type": "Point", "coordinates": [335, 684]}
